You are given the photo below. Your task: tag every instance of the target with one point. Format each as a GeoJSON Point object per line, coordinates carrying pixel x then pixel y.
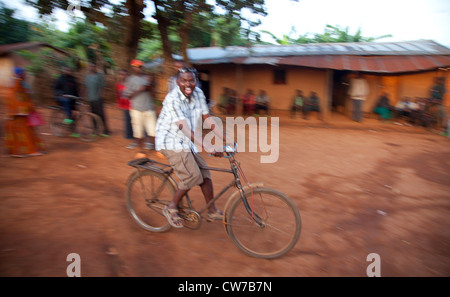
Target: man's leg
{"type": "Point", "coordinates": [354, 109]}
{"type": "Point", "coordinates": [357, 110]}
{"type": "Point", "coordinates": [206, 186]}
{"type": "Point", "coordinates": [208, 193]}
{"type": "Point", "coordinates": [65, 103]}
{"type": "Point", "coordinates": [305, 111]}
{"type": "Point", "coordinates": [102, 115]}
{"type": "Point", "coordinates": [150, 128]}
{"type": "Point", "coordinates": [176, 198]}
{"type": "Point", "coordinates": [137, 123]}
{"type": "Point", "coordinates": [360, 110]}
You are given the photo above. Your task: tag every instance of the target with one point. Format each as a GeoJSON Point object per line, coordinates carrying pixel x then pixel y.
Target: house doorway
{"type": "Point", "coordinates": [340, 90]}
{"type": "Point", "coordinates": [204, 84]}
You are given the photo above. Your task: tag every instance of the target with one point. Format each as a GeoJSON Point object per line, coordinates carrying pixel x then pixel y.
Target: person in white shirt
{"type": "Point", "coordinates": [262, 102]}
{"type": "Point", "coordinates": [358, 91]}
{"type": "Point", "coordinates": [142, 110]}
{"type": "Point", "coordinates": [184, 111]}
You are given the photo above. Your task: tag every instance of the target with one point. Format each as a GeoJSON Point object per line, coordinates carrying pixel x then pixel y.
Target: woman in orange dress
{"type": "Point", "coordinates": [21, 139]}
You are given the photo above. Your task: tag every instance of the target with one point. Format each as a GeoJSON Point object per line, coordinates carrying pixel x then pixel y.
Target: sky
{"type": "Point", "coordinates": [405, 20]}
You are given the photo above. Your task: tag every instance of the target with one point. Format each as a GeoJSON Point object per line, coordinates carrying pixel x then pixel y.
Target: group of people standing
{"type": "Point", "coordinates": [251, 103]}
{"type": "Point", "coordinates": [426, 112]}
{"type": "Point", "coordinates": [305, 105]}
{"type": "Point", "coordinates": [67, 85]}
{"type": "Point", "coordinates": [133, 96]}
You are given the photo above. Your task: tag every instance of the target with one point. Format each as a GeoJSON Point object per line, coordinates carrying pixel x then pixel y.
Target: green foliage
{"type": "Point", "coordinates": [45, 60]}
{"type": "Point", "coordinates": [12, 30]}
{"type": "Point", "coordinates": [231, 27]}
{"type": "Point", "coordinates": [48, 33]}
{"type": "Point", "coordinates": [199, 24]}
{"type": "Point", "coordinates": [83, 39]}
{"type": "Point", "coordinates": [332, 34]}
{"type": "Point", "coordinates": [216, 30]}
{"type": "Point", "coordinates": [90, 41]}
{"type": "Point", "coordinates": [149, 49]}
{"type": "Point", "coordinates": [187, 23]}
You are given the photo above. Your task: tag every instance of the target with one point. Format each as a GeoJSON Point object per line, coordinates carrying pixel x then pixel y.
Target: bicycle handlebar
{"type": "Point", "coordinates": [228, 150]}
{"type": "Point", "coordinates": [71, 96]}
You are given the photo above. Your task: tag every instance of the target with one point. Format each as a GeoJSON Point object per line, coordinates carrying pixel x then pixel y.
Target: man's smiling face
{"type": "Point", "coordinates": [186, 81]}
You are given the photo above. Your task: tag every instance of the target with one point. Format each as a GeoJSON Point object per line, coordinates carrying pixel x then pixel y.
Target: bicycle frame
{"type": "Point", "coordinates": [167, 171]}
{"type": "Point", "coordinates": [237, 183]}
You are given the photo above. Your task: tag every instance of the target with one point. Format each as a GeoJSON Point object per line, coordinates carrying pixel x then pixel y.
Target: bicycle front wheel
{"type": "Point", "coordinates": [89, 126]}
{"type": "Point", "coordinates": [268, 228]}
{"type": "Point", "coordinates": [147, 193]}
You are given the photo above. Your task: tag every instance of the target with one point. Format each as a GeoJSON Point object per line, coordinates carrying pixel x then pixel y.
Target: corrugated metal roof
{"type": "Point", "coordinates": [382, 64]}
{"type": "Point", "coordinates": [389, 57]}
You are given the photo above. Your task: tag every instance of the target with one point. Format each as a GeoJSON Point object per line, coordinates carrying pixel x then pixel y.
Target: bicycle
{"type": "Point", "coordinates": [261, 222]}
{"type": "Point", "coordinates": [87, 124]}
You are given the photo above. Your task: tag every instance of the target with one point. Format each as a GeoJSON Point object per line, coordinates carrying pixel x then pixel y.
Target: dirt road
{"type": "Point", "coordinates": [360, 189]}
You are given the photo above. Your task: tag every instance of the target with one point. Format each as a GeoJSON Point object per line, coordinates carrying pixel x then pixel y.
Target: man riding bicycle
{"type": "Point", "coordinates": [66, 84]}
{"type": "Point", "coordinates": [184, 108]}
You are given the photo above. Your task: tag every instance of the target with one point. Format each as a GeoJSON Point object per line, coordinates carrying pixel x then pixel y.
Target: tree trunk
{"type": "Point", "coordinates": [121, 55]}
{"type": "Point", "coordinates": [168, 64]}
{"type": "Point", "coordinates": [125, 48]}
{"type": "Point", "coordinates": [133, 27]}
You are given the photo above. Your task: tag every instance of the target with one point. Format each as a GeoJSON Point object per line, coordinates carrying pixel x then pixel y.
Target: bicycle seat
{"type": "Point", "coordinates": [149, 164]}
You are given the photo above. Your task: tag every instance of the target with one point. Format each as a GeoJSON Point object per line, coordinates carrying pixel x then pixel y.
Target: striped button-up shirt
{"type": "Point", "coordinates": [177, 107]}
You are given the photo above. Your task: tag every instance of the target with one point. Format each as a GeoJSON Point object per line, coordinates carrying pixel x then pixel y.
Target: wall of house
{"type": "Point", "coordinates": [416, 85]}
{"type": "Point", "coordinates": [261, 77]}
{"type": "Point", "coordinates": [6, 72]}
{"type": "Point", "coordinates": [256, 77]}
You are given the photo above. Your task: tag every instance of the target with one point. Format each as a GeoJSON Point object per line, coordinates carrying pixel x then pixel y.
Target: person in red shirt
{"type": "Point", "coordinates": [124, 104]}
{"type": "Point", "coordinates": [249, 100]}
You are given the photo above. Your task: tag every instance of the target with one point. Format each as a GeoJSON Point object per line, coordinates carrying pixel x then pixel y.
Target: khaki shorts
{"type": "Point", "coordinates": [186, 167]}
{"type": "Point", "coordinates": [141, 120]}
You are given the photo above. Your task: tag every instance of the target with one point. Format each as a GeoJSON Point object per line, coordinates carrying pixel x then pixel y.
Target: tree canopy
{"type": "Point", "coordinates": [332, 34]}
{"type": "Point", "coordinates": [180, 23]}
{"type": "Point", "coordinates": [12, 30]}
{"type": "Point", "coordinates": [115, 32]}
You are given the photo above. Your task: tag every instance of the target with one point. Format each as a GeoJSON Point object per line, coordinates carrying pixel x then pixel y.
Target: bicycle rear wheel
{"type": "Point", "coordinates": [57, 125]}
{"type": "Point", "coordinates": [280, 225]}
{"type": "Point", "coordinates": [147, 193]}
{"type": "Point", "coordinates": [89, 126]}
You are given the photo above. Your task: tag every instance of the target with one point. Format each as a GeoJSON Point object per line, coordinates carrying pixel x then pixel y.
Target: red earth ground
{"type": "Point", "coordinates": [360, 188]}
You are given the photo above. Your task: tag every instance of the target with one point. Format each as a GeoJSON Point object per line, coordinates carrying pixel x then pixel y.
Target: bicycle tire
{"type": "Point", "coordinates": [281, 223]}
{"type": "Point", "coordinates": [145, 204]}
{"type": "Point", "coordinates": [57, 125]}
{"type": "Point", "coordinates": [89, 126]}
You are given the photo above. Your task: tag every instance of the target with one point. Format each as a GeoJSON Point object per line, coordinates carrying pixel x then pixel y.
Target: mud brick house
{"type": "Point", "coordinates": [398, 68]}
{"type": "Point", "coordinates": [10, 58]}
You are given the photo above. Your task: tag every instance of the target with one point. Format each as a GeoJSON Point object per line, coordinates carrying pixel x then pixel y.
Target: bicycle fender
{"type": "Point", "coordinates": [137, 172]}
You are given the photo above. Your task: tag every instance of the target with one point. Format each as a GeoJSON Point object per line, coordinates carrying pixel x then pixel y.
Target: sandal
{"type": "Point", "coordinates": [215, 216]}
{"type": "Point", "coordinates": [172, 217]}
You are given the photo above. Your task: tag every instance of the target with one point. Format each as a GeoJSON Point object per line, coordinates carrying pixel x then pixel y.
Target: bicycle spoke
{"type": "Point", "coordinates": [279, 229]}
{"type": "Point", "coordinates": [147, 194]}
{"type": "Point", "coordinates": [57, 126]}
